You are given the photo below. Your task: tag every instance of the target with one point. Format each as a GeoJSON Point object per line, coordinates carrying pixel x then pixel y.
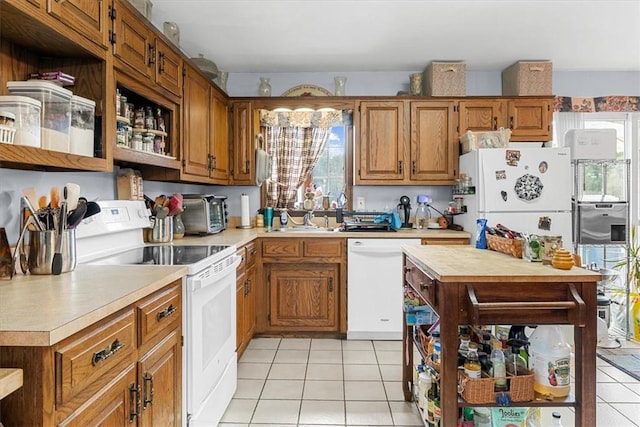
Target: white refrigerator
{"type": "Point", "coordinates": [525, 189]}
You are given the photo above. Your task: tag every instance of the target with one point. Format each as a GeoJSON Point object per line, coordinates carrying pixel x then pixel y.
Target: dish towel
{"type": "Point", "coordinates": [391, 217]}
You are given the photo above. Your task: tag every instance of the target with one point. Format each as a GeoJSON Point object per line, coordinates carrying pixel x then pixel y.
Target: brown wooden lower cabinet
{"type": "Point", "coordinates": [303, 286]}
{"type": "Point", "coordinates": [246, 282]}
{"type": "Point", "coordinates": [123, 370]}
{"type": "Point", "coordinates": [302, 297]}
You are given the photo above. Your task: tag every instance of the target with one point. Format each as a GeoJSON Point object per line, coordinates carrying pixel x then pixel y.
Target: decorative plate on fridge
{"type": "Point", "coordinates": [307, 90]}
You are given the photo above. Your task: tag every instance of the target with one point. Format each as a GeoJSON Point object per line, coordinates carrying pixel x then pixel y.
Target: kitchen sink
{"type": "Point", "coordinates": [304, 229]}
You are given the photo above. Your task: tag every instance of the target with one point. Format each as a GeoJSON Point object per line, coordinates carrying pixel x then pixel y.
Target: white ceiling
{"type": "Point", "coordinates": [272, 36]}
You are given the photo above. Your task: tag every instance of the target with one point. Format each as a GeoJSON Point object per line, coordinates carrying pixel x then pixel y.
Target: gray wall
{"type": "Point", "coordinates": [102, 185]}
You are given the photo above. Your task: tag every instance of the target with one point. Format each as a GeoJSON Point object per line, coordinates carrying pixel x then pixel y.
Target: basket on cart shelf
{"type": "Point", "coordinates": [519, 388]}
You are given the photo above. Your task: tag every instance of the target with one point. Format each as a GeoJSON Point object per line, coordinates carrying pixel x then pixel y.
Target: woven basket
{"type": "Point", "coordinates": [511, 247]}
{"type": "Point", "coordinates": [520, 388]}
{"type": "Point", "coordinates": [445, 79]}
{"type": "Point", "coordinates": [425, 339]}
{"type": "Point", "coordinates": [527, 78]}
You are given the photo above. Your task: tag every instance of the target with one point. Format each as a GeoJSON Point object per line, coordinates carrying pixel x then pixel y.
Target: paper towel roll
{"type": "Point", "coordinates": [245, 221]}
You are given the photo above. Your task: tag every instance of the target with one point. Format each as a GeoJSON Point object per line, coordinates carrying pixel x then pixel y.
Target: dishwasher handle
{"type": "Point", "coordinates": [375, 250]}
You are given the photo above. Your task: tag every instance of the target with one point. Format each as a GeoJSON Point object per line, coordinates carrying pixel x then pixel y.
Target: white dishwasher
{"type": "Point", "coordinates": [374, 288]}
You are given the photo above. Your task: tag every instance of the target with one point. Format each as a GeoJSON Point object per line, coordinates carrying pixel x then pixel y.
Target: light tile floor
{"type": "Point", "coordinates": [328, 382]}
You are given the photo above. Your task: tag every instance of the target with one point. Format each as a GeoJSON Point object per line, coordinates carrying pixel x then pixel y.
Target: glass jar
{"type": "Point", "coordinates": [136, 141]}
{"type": "Point", "coordinates": [340, 83]}
{"type": "Point", "coordinates": [178, 227]}
{"type": "Point", "coordinates": [138, 120]}
{"type": "Point", "coordinates": [121, 134]}
{"type": "Point", "coordinates": [422, 216]}
{"type": "Point", "coordinates": [147, 142]}
{"type": "Point", "coordinates": [265, 87]}
{"type": "Point", "coordinates": [149, 121]}
{"type": "Point", "coordinates": [549, 246]}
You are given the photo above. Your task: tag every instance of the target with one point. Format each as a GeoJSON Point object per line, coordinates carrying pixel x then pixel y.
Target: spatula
{"type": "Point", "coordinates": [56, 264]}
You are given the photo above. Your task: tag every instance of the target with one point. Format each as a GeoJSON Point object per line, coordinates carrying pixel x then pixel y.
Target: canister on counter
{"type": "Point", "coordinates": [549, 245]}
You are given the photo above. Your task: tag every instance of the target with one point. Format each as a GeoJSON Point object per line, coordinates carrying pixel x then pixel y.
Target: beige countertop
{"type": "Point", "coordinates": [468, 264]}
{"type": "Point", "coordinates": [43, 310]}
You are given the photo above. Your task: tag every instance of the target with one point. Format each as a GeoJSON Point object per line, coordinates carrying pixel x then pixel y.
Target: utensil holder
{"type": "Point", "coordinates": [42, 247]}
{"type": "Point", "coordinates": [161, 231]}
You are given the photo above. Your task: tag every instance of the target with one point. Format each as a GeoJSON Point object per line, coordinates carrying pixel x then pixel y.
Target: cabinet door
{"type": "Point", "coordinates": [133, 42]}
{"type": "Point", "coordinates": [168, 68]}
{"type": "Point", "coordinates": [302, 297]}
{"type": "Point", "coordinates": [481, 115]}
{"type": "Point", "coordinates": [88, 17]}
{"type": "Point", "coordinates": [112, 406]}
{"type": "Point", "coordinates": [240, 294]}
{"type": "Point", "coordinates": [160, 381]}
{"type": "Point", "coordinates": [381, 149]}
{"type": "Point", "coordinates": [196, 124]}
{"type": "Point", "coordinates": [530, 119]}
{"type": "Point", "coordinates": [250, 304]}
{"type": "Point", "coordinates": [219, 138]}
{"type": "Point", "coordinates": [243, 146]}
{"type": "Point", "coordinates": [434, 146]}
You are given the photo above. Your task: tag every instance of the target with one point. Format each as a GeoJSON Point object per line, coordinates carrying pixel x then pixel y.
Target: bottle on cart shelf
{"type": "Point", "coordinates": [499, 367]}
{"type": "Point", "coordinates": [431, 398]}
{"type": "Point", "coordinates": [556, 419]}
{"type": "Point", "coordinates": [424, 384]}
{"type": "Point", "coordinates": [472, 363]}
{"type": "Point", "coordinates": [437, 409]}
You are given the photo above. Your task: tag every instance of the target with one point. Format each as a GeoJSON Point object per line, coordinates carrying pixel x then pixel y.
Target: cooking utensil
{"type": "Point", "coordinates": [92, 209]}
{"type": "Point", "coordinates": [160, 200]}
{"type": "Point", "coordinates": [30, 194]}
{"type": "Point", "coordinates": [77, 215]}
{"type": "Point", "coordinates": [54, 195]}
{"type": "Point", "coordinates": [71, 193]}
{"type": "Point", "coordinates": [33, 214]}
{"type": "Point", "coordinates": [56, 263]}
{"type": "Point", "coordinates": [19, 249]}
{"type": "Point", "coordinates": [42, 202]}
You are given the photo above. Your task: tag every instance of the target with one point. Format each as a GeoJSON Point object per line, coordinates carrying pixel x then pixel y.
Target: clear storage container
{"type": "Point", "coordinates": [55, 114]}
{"type": "Point", "coordinates": [27, 124]}
{"type": "Point", "coordinates": [83, 112]}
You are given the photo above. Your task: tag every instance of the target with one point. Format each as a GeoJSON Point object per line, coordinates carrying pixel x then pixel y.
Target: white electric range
{"type": "Point", "coordinates": [115, 237]}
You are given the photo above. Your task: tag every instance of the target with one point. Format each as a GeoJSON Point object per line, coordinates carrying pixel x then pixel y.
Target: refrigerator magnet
{"type": "Point", "coordinates": [512, 157]}
{"type": "Point", "coordinates": [501, 174]}
{"type": "Point", "coordinates": [544, 223]}
{"type": "Point", "coordinates": [543, 166]}
{"type": "Point", "coordinates": [504, 195]}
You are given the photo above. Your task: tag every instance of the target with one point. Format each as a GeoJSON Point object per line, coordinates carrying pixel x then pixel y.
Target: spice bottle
{"type": "Point", "coordinates": [472, 363]}
{"type": "Point", "coordinates": [149, 122]}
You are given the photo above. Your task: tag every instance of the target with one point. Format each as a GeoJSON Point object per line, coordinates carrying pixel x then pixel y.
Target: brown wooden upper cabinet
{"type": "Point", "coordinates": [528, 118]}
{"type": "Point", "coordinates": [140, 51]}
{"type": "Point", "coordinates": [242, 144]}
{"type": "Point", "coordinates": [406, 142]}
{"type": "Point", "coordinates": [87, 17]}
{"type": "Point", "coordinates": [206, 131]}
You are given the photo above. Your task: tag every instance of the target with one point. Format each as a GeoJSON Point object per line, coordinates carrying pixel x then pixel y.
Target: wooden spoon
{"type": "Point", "coordinates": [54, 195]}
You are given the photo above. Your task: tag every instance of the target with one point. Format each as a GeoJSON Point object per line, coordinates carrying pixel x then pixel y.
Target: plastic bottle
{"type": "Point", "coordinates": [556, 420]}
{"type": "Point", "coordinates": [431, 397]}
{"type": "Point", "coordinates": [437, 410]}
{"type": "Point", "coordinates": [422, 216]}
{"type": "Point", "coordinates": [424, 384]}
{"type": "Point", "coordinates": [550, 359]}
{"type": "Point", "coordinates": [472, 363]}
{"type": "Point", "coordinates": [499, 367]}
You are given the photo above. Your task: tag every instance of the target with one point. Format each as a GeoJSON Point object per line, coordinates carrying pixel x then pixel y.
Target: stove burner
{"type": "Point", "coordinates": [164, 255]}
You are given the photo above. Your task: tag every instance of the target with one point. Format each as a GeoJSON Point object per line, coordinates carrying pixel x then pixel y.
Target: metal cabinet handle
{"type": "Point", "coordinates": [152, 54]}
{"type": "Point", "coordinates": [134, 402]}
{"type": "Point", "coordinates": [413, 167]}
{"type": "Point", "coordinates": [161, 67]}
{"type": "Point", "coordinates": [495, 123]}
{"type": "Point", "coordinates": [109, 351]}
{"type": "Point", "coordinates": [330, 284]}
{"type": "Point", "coordinates": [166, 312]}
{"type": "Point", "coordinates": [511, 122]}
{"type": "Point", "coordinates": [399, 166]}
{"type": "Point", "coordinates": [148, 391]}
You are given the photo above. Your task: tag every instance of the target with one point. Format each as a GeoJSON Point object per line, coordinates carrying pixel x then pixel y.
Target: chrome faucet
{"type": "Point", "coordinates": [307, 219]}
{"type": "Point", "coordinates": [326, 221]}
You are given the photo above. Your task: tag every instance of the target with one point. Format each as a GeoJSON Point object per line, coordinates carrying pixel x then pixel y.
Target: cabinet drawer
{"type": "Point", "coordinates": [159, 312]}
{"type": "Point", "coordinates": [252, 252]}
{"type": "Point", "coordinates": [422, 283]}
{"type": "Point", "coordinates": [323, 248]}
{"type": "Point", "coordinates": [91, 356]}
{"type": "Point", "coordinates": [281, 247]}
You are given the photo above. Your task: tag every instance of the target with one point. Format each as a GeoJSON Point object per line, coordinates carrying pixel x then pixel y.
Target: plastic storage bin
{"type": "Point", "coordinates": [27, 113]}
{"type": "Point", "coordinates": [55, 114]}
{"type": "Point", "coordinates": [83, 112]}
{"type": "Point", "coordinates": [7, 131]}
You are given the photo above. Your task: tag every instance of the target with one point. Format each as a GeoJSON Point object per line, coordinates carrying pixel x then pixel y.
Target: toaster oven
{"type": "Point", "coordinates": [204, 213]}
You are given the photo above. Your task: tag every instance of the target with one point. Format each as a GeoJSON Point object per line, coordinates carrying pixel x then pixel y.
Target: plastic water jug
{"type": "Point", "coordinates": [550, 359]}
